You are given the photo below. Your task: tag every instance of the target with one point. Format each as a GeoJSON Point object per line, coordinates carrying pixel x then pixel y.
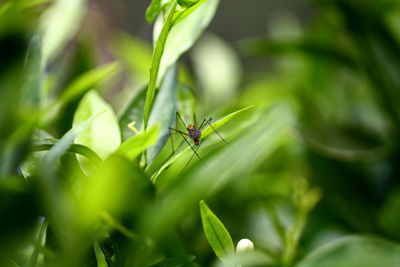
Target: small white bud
{"type": "Point", "coordinates": [244, 245]}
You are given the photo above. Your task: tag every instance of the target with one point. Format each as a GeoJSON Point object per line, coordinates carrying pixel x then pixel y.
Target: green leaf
{"type": "Point", "coordinates": [59, 24]}
{"type": "Point", "coordinates": [218, 70]}
{"type": "Point", "coordinates": [88, 80]}
{"type": "Point", "coordinates": [79, 87]}
{"type": "Point", "coordinates": [216, 233]}
{"type": "Point", "coordinates": [132, 112]}
{"type": "Point", "coordinates": [267, 130]}
{"type": "Point", "coordinates": [155, 65]}
{"type": "Point", "coordinates": [354, 251]}
{"type": "Point", "coordinates": [64, 143]}
{"type": "Point", "coordinates": [187, 3]}
{"type": "Point", "coordinates": [186, 30]}
{"type": "Point", "coordinates": [154, 9]}
{"type": "Point", "coordinates": [43, 145]}
{"type": "Point", "coordinates": [103, 135]}
{"type": "Point", "coordinates": [100, 258]}
{"type": "Point", "coordinates": [136, 144]}
{"type": "Point", "coordinates": [164, 111]}
{"type": "Point", "coordinates": [136, 54]}
{"type": "Point", "coordinates": [207, 131]}
{"type": "Point", "coordinates": [31, 91]}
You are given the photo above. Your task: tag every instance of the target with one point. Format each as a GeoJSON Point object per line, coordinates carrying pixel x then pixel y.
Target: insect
{"type": "Point", "coordinates": [194, 133]}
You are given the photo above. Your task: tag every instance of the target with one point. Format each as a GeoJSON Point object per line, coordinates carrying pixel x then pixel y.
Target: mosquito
{"type": "Point", "coordinates": [193, 133]}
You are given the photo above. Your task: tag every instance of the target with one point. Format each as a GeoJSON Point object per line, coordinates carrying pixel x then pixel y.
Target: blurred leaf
{"type": "Point", "coordinates": [132, 112]}
{"type": "Point", "coordinates": [101, 259]}
{"type": "Point", "coordinates": [59, 24]}
{"type": "Point", "coordinates": [186, 101]}
{"type": "Point", "coordinates": [217, 235]}
{"type": "Point", "coordinates": [32, 261]}
{"type": "Point", "coordinates": [64, 143]}
{"type": "Point", "coordinates": [187, 3]}
{"type": "Point", "coordinates": [136, 54]}
{"type": "Point", "coordinates": [43, 145]}
{"type": "Point", "coordinates": [154, 9]}
{"type": "Point", "coordinates": [32, 91]}
{"type": "Point", "coordinates": [311, 48]}
{"type": "Point", "coordinates": [115, 184]}
{"type": "Point", "coordinates": [103, 135]}
{"type": "Point", "coordinates": [207, 131]}
{"type": "Point", "coordinates": [185, 32]}
{"type": "Point", "coordinates": [80, 86]}
{"type": "Point", "coordinates": [88, 80]}
{"type": "Point", "coordinates": [218, 69]}
{"type": "Point", "coordinates": [19, 212]}
{"type": "Point", "coordinates": [250, 150]}
{"type": "Point", "coordinates": [164, 111]}
{"type": "Point", "coordinates": [354, 251]}
{"type": "Point", "coordinates": [253, 258]}
{"type": "Point", "coordinates": [155, 65]}
{"type": "Point", "coordinates": [138, 143]}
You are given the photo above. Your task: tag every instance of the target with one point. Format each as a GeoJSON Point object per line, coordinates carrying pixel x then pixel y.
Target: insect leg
{"type": "Point", "coordinates": [212, 127]}
{"type": "Point", "coordinates": [187, 163]}
{"type": "Point", "coordinates": [180, 118]}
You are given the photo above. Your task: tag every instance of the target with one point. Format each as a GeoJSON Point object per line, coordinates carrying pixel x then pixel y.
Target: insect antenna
{"type": "Point", "coordinates": [181, 120]}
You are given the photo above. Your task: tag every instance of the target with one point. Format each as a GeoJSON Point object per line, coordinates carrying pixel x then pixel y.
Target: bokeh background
{"type": "Point", "coordinates": [306, 93]}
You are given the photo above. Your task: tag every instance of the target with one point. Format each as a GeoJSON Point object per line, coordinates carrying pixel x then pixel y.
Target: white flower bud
{"type": "Point", "coordinates": [244, 245]}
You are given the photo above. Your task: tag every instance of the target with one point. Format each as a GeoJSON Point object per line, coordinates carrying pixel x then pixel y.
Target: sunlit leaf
{"type": "Point", "coordinates": [136, 144]}
{"type": "Point", "coordinates": [101, 259]}
{"type": "Point", "coordinates": [218, 69]}
{"type": "Point", "coordinates": [59, 24]}
{"type": "Point", "coordinates": [154, 9]}
{"type": "Point", "coordinates": [116, 183]}
{"type": "Point", "coordinates": [217, 235]}
{"type": "Point", "coordinates": [103, 135]}
{"type": "Point", "coordinates": [187, 3]}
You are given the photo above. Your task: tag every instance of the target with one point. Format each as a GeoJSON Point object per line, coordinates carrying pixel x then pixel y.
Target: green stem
{"type": "Point", "coordinates": [155, 65]}
{"type": "Point", "coordinates": [292, 238]}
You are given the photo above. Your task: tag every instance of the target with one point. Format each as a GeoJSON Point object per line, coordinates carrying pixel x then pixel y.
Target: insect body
{"type": "Point", "coordinates": [194, 134]}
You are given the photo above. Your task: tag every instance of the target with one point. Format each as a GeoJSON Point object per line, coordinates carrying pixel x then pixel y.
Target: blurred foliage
{"type": "Point", "coordinates": [309, 167]}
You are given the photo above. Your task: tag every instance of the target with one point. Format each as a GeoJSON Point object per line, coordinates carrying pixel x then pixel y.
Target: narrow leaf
{"type": "Point", "coordinates": [100, 258]}
{"type": "Point", "coordinates": [187, 28]}
{"type": "Point", "coordinates": [88, 80]}
{"type": "Point", "coordinates": [164, 111]}
{"type": "Point", "coordinates": [216, 233]}
{"type": "Point", "coordinates": [207, 131]}
{"type": "Point", "coordinates": [157, 56]}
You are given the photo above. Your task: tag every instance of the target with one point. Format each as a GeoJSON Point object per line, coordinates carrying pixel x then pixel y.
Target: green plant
{"type": "Point", "coordinates": [88, 178]}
